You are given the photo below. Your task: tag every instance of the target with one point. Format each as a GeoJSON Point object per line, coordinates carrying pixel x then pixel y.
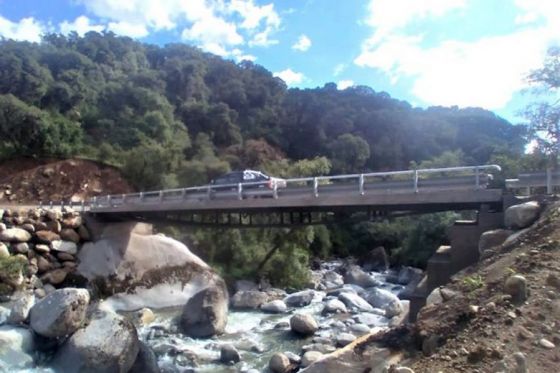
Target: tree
{"type": "Point", "coordinates": [349, 153]}
{"type": "Point", "coordinates": [544, 116]}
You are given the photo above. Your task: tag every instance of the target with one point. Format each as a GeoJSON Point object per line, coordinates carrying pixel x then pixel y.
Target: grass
{"type": "Point", "coordinates": [473, 282]}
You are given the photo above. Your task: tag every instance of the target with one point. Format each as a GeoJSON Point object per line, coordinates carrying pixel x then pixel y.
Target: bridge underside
{"type": "Point", "coordinates": [308, 210]}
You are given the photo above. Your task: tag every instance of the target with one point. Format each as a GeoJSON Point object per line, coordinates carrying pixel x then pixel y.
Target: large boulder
{"type": "Point", "coordinates": [248, 299]}
{"type": "Point", "coordinates": [109, 343]}
{"type": "Point", "coordinates": [205, 314]}
{"type": "Point", "coordinates": [275, 306]}
{"type": "Point", "coordinates": [279, 363]}
{"type": "Point", "coordinates": [356, 276]}
{"type": "Point", "coordinates": [300, 299]}
{"type": "Point", "coordinates": [491, 239]}
{"type": "Point", "coordinates": [146, 361]}
{"type": "Point", "coordinates": [60, 313]}
{"type": "Point", "coordinates": [16, 348]}
{"type": "Point", "coordinates": [522, 215]}
{"type": "Point", "coordinates": [376, 260]}
{"type": "Point", "coordinates": [354, 301]}
{"type": "Point", "coordinates": [138, 269]}
{"type": "Point", "coordinates": [303, 324]}
{"type": "Point", "coordinates": [387, 301]}
{"type": "Point", "coordinates": [15, 235]}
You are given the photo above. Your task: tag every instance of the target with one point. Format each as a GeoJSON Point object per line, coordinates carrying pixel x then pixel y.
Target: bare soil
{"type": "Point", "coordinates": [481, 327]}
{"type": "Point", "coordinates": [28, 180]}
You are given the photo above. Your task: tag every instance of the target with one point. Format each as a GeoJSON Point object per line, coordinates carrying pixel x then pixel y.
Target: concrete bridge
{"type": "Point", "coordinates": [315, 200]}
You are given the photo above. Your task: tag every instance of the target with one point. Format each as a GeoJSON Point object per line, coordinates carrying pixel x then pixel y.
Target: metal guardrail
{"type": "Point", "coordinates": [549, 179]}
{"type": "Point", "coordinates": [365, 183]}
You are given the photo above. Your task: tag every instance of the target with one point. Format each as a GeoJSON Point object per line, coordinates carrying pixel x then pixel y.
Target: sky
{"type": "Point", "coordinates": [428, 52]}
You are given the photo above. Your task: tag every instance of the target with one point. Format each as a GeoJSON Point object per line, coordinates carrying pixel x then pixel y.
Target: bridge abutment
{"type": "Point", "coordinates": [461, 253]}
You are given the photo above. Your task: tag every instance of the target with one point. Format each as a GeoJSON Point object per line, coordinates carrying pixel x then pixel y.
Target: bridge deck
{"type": "Point", "coordinates": [426, 200]}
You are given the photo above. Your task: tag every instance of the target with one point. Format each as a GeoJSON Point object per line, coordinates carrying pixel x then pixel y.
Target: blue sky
{"type": "Point", "coordinates": [428, 52]}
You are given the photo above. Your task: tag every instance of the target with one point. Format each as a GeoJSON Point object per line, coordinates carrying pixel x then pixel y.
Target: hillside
{"type": "Point", "coordinates": [26, 180]}
{"type": "Point", "coordinates": [480, 327]}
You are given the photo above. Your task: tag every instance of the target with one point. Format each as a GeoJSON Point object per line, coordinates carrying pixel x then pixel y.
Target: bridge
{"type": "Point", "coordinates": [312, 200]}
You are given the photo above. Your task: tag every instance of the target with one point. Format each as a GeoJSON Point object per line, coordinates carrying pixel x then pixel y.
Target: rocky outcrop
{"type": "Point", "coordinates": [522, 215]}
{"type": "Point", "coordinates": [109, 343]}
{"type": "Point", "coordinates": [205, 314]}
{"type": "Point", "coordinates": [137, 269]}
{"type": "Point", "coordinates": [60, 313]}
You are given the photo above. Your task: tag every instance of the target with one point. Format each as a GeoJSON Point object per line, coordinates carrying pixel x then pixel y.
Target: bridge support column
{"type": "Point", "coordinates": [448, 260]}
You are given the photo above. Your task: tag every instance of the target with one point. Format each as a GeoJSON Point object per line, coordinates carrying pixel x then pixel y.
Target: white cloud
{"type": "Point", "coordinates": [81, 26]}
{"type": "Point", "coordinates": [338, 69]}
{"type": "Point", "coordinates": [214, 25]}
{"type": "Point", "coordinates": [134, 30]}
{"type": "Point", "coordinates": [303, 43]}
{"type": "Point", "coordinates": [289, 76]}
{"type": "Point", "coordinates": [213, 33]}
{"type": "Point", "coordinates": [343, 84]}
{"type": "Point", "coordinates": [27, 29]}
{"type": "Point", "coordinates": [239, 56]}
{"type": "Point", "coordinates": [484, 72]}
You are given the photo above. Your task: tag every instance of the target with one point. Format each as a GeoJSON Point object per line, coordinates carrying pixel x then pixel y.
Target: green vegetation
{"type": "Point", "coordinates": [473, 282]}
{"type": "Point", "coordinates": [176, 116]}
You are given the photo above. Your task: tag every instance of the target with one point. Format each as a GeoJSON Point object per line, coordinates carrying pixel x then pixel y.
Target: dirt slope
{"type": "Point", "coordinates": [28, 180]}
{"type": "Point", "coordinates": [481, 328]}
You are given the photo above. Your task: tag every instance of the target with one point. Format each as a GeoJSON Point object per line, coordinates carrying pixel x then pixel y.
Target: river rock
{"type": "Point", "coordinates": [16, 348]}
{"type": "Point", "coordinates": [491, 239]}
{"type": "Point", "coordinates": [370, 319]}
{"type": "Point", "coordinates": [46, 236]}
{"type": "Point", "coordinates": [65, 256]}
{"type": "Point", "coordinates": [22, 304]}
{"type": "Point", "coordinates": [145, 316]}
{"type": "Point", "coordinates": [376, 260]}
{"type": "Point", "coordinates": [4, 252]}
{"type": "Point", "coordinates": [109, 343]}
{"type": "Point", "coordinates": [303, 324]}
{"type": "Point", "coordinates": [516, 286]}
{"type": "Point", "coordinates": [354, 301]}
{"type": "Point", "coordinates": [43, 264]}
{"type": "Point", "coordinates": [249, 299]}
{"type": "Point", "coordinates": [83, 232]}
{"type": "Point", "coordinates": [275, 306]}
{"type": "Point", "coordinates": [344, 339]}
{"type": "Point", "coordinates": [387, 301]}
{"type": "Point", "coordinates": [42, 248]}
{"type": "Point", "coordinates": [65, 247]}
{"type": "Point", "coordinates": [55, 277]}
{"type": "Point", "coordinates": [68, 234]}
{"type": "Point", "coordinates": [146, 360]}
{"type": "Point", "coordinates": [135, 268]}
{"type": "Point", "coordinates": [229, 354]}
{"type": "Point", "coordinates": [331, 280]}
{"type": "Point", "coordinates": [28, 227]}
{"type": "Point", "coordinates": [72, 222]}
{"type": "Point", "coordinates": [21, 248]}
{"type": "Point", "coordinates": [60, 313]}
{"type": "Point", "coordinates": [522, 215]}
{"type": "Point", "coordinates": [355, 275]}
{"type": "Point", "coordinates": [310, 357]}
{"type": "Point", "coordinates": [54, 226]}
{"type": "Point", "coordinates": [15, 235]}
{"type": "Point", "coordinates": [205, 314]}
{"type": "Point", "coordinates": [300, 299]}
{"type": "Point", "coordinates": [279, 363]}
{"type": "Point", "coordinates": [334, 306]}
{"type": "Point", "coordinates": [54, 214]}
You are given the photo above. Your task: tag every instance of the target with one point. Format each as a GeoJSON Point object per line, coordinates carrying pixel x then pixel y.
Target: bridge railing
{"type": "Point", "coordinates": [527, 181]}
{"type": "Point", "coordinates": [475, 177]}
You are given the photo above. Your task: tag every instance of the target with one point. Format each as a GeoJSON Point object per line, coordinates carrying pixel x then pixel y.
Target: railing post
{"type": "Point", "coordinates": [361, 184]}
{"type": "Point", "coordinates": [183, 193]}
{"type": "Point", "coordinates": [141, 196]}
{"type": "Point", "coordinates": [83, 205]}
{"type": "Point", "coordinates": [415, 181]}
{"type": "Point", "coordinates": [549, 180]}
{"type": "Point", "coordinates": [161, 195]}
{"type": "Point", "coordinates": [239, 191]}
{"type": "Point", "coordinates": [209, 192]}
{"type": "Point", "coordinates": [315, 187]}
{"type": "Point", "coordinates": [51, 204]}
{"type": "Point", "coordinates": [275, 190]}
{"type": "Point", "coordinates": [477, 177]}
{"type": "Point", "coordinates": [123, 197]}
{"type": "Point", "coordinates": [94, 201]}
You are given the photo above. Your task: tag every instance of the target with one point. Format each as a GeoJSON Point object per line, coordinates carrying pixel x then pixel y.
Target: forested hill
{"type": "Point", "coordinates": [174, 115]}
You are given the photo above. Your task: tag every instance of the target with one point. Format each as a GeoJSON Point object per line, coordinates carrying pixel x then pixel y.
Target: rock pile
{"type": "Point", "coordinates": [38, 249]}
